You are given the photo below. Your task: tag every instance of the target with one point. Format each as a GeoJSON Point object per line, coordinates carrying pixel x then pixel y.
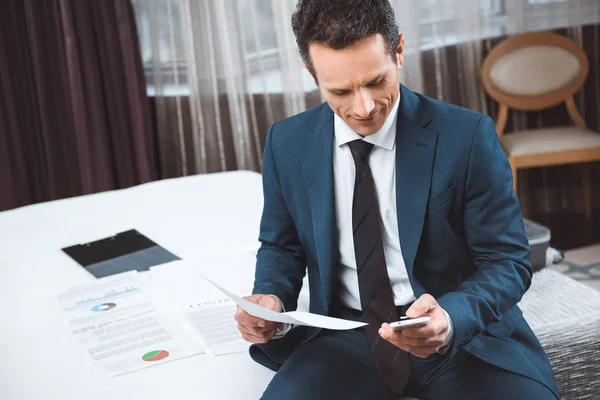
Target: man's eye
{"type": "Point", "coordinates": [373, 84]}
{"type": "Point", "coordinates": [340, 92]}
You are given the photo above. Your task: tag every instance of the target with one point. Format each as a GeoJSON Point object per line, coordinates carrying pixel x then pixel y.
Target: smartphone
{"type": "Point", "coordinates": [405, 322]}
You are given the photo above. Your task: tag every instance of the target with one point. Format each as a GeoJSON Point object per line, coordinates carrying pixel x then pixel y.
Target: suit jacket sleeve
{"type": "Point", "coordinates": [281, 262]}
{"type": "Point", "coordinates": [495, 235]}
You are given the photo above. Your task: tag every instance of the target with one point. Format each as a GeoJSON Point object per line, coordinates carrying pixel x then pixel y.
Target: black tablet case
{"type": "Point", "coordinates": [126, 251]}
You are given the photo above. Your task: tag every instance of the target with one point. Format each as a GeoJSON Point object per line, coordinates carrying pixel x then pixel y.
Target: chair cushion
{"type": "Point", "coordinates": [549, 140]}
{"type": "Point", "coordinates": [535, 70]}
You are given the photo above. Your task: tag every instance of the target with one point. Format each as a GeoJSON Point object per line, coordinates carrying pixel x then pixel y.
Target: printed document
{"type": "Point", "coordinates": [210, 313]}
{"type": "Point", "coordinates": [292, 317]}
{"type": "Point", "coordinates": [118, 323]}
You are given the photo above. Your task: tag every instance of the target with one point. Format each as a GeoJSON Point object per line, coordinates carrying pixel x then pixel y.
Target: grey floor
{"type": "Point", "coordinates": [583, 265]}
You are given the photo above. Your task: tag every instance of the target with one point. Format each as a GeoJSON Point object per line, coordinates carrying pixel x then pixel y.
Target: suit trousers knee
{"type": "Point", "coordinates": [339, 365]}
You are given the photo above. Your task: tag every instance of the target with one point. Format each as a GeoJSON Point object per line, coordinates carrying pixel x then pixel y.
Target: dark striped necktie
{"type": "Point", "coordinates": [376, 297]}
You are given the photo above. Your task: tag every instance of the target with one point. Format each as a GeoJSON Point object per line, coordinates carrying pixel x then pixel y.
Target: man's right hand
{"type": "Point", "coordinates": [257, 330]}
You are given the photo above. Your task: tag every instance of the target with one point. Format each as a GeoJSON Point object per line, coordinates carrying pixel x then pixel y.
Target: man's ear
{"type": "Point", "coordinates": [400, 51]}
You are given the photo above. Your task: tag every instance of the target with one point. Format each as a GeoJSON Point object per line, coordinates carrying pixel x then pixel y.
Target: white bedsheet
{"type": "Point", "coordinates": [39, 360]}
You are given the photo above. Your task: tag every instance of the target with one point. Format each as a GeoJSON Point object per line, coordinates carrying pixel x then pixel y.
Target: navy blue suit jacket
{"type": "Point", "coordinates": [460, 224]}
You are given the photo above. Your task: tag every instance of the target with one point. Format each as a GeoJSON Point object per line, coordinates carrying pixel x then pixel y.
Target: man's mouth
{"type": "Point", "coordinates": [366, 119]}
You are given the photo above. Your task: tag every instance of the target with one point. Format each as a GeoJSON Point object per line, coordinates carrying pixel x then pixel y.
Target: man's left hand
{"type": "Point", "coordinates": [425, 340]}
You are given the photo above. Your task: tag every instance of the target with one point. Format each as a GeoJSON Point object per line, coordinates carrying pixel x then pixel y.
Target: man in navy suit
{"type": "Point", "coordinates": [395, 204]}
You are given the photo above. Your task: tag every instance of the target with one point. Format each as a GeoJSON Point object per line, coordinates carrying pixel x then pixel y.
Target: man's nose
{"type": "Point", "coordinates": [363, 104]}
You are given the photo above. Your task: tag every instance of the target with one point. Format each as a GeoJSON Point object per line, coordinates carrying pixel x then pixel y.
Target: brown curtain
{"type": "Point", "coordinates": [74, 115]}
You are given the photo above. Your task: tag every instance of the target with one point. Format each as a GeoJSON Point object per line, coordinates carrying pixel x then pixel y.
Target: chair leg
{"type": "Point", "coordinates": [587, 190]}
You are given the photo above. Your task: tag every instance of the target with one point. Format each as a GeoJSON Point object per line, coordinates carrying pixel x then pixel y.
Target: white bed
{"type": "Point", "coordinates": [38, 359]}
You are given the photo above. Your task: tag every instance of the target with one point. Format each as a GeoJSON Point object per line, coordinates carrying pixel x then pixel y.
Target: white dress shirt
{"type": "Point", "coordinates": [382, 161]}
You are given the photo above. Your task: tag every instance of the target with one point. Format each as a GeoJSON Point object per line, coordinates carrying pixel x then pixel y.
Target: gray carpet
{"type": "Point", "coordinates": [583, 265]}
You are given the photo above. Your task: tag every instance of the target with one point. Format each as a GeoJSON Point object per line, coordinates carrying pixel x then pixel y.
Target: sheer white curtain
{"type": "Point", "coordinates": [221, 71]}
{"type": "Point", "coordinates": [433, 26]}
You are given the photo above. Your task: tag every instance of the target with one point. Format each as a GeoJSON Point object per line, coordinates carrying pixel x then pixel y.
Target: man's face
{"type": "Point", "coordinates": [361, 82]}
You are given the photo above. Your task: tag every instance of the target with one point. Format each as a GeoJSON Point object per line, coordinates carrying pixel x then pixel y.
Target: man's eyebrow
{"type": "Point", "coordinates": [375, 80]}
{"type": "Point", "coordinates": [371, 82]}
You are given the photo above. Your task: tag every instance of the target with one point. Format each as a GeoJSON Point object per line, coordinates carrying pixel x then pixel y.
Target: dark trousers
{"type": "Point", "coordinates": [339, 365]}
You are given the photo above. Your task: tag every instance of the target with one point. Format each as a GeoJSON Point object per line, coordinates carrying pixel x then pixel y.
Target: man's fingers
{"type": "Point", "coordinates": [422, 342]}
{"type": "Point", "coordinates": [437, 325]}
{"type": "Point", "coordinates": [252, 323]}
{"type": "Point", "coordinates": [258, 330]}
{"type": "Point", "coordinates": [270, 302]}
{"type": "Point", "coordinates": [243, 318]}
{"type": "Point", "coordinates": [398, 338]}
{"type": "Point", "coordinates": [254, 332]}
{"type": "Point", "coordinates": [421, 347]}
{"type": "Point", "coordinates": [426, 331]}
{"type": "Point", "coordinates": [257, 335]}
{"type": "Point", "coordinates": [419, 351]}
{"type": "Point", "coordinates": [267, 301]}
{"type": "Point", "coordinates": [257, 325]}
{"type": "Point", "coordinates": [422, 306]}
{"type": "Point", "coordinates": [390, 335]}
{"type": "Point", "coordinates": [249, 337]}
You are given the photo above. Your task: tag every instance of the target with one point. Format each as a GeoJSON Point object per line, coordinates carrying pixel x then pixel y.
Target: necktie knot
{"type": "Point", "coordinates": [360, 150]}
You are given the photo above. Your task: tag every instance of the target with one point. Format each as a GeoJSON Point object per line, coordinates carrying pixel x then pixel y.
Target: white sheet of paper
{"type": "Point", "coordinates": [292, 317]}
{"type": "Point", "coordinates": [210, 313]}
{"type": "Point", "coordinates": [121, 328]}
{"type": "Point", "coordinates": [217, 328]}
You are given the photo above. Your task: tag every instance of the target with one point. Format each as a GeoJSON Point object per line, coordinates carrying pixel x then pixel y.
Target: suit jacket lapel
{"type": "Point", "coordinates": [317, 167]}
{"type": "Point", "coordinates": [415, 151]}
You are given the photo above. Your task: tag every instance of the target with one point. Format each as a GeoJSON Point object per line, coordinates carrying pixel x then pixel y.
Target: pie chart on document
{"type": "Point", "coordinates": [103, 307]}
{"type": "Point", "coordinates": [155, 355]}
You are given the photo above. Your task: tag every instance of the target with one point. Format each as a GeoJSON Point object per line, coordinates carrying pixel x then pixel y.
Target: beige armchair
{"type": "Point", "coordinates": [535, 71]}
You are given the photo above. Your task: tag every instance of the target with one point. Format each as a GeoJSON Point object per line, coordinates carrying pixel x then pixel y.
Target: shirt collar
{"type": "Point", "coordinates": [384, 137]}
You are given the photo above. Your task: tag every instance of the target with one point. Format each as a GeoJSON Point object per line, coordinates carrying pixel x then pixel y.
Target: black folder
{"type": "Point", "coordinates": [126, 251]}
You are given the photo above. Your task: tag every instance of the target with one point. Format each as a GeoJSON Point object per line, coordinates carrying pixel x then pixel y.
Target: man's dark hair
{"type": "Point", "coordinates": [341, 23]}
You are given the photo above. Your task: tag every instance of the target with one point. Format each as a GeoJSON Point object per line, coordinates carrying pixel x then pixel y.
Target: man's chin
{"type": "Point", "coordinates": [366, 130]}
